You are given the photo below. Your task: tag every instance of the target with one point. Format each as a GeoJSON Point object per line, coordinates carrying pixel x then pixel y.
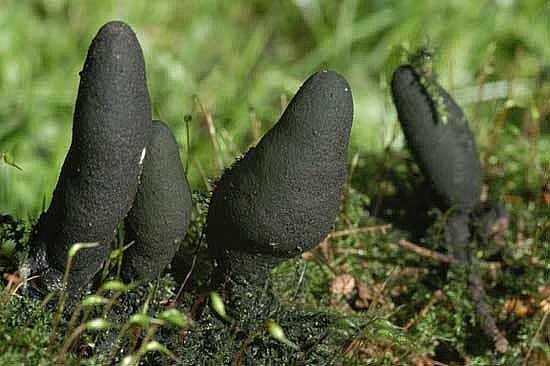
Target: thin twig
{"type": "Point", "coordinates": [238, 356]}
{"type": "Point", "coordinates": [300, 280]}
{"type": "Point", "coordinates": [422, 251]}
{"type": "Point", "coordinates": [440, 257]}
{"type": "Point", "coordinates": [378, 293]}
{"type": "Point", "coordinates": [323, 261]}
{"type": "Point", "coordinates": [537, 333]}
{"type": "Point", "coordinates": [188, 275]}
{"type": "Point", "coordinates": [351, 251]}
{"type": "Point", "coordinates": [216, 163]}
{"type": "Point", "coordinates": [486, 320]}
{"type": "Point", "coordinates": [359, 230]}
{"type": "Point", "coordinates": [24, 283]}
{"type": "Point", "coordinates": [437, 295]}
{"type": "Point", "coordinates": [428, 253]}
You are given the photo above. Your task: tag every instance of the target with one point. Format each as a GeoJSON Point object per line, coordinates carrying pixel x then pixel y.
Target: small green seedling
{"type": "Point", "coordinates": [217, 305]}
{"type": "Point", "coordinates": [8, 159]}
{"type": "Point", "coordinates": [277, 332]}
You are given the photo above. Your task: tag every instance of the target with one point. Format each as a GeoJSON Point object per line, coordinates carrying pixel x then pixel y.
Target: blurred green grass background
{"type": "Point", "coordinates": [238, 62]}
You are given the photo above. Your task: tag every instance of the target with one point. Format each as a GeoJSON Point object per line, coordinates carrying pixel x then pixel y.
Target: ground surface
{"type": "Point", "coordinates": [233, 66]}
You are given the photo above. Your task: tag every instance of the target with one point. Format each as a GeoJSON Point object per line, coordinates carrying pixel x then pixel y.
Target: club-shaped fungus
{"type": "Point", "coordinates": [438, 135]}
{"type": "Point", "coordinates": [161, 212]}
{"type": "Point", "coordinates": [99, 178]}
{"type": "Point", "coordinates": [282, 197]}
{"type": "Point", "coordinates": [443, 146]}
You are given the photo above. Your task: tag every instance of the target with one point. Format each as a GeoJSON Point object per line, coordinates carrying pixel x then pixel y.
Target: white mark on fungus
{"type": "Point", "coordinates": [143, 152]}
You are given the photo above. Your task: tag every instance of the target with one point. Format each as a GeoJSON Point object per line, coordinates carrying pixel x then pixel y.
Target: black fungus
{"type": "Point", "coordinates": [438, 135]}
{"type": "Point", "coordinates": [161, 212]}
{"type": "Point", "coordinates": [99, 178]}
{"type": "Point", "coordinates": [282, 197]}
{"type": "Point", "coordinates": [439, 138]}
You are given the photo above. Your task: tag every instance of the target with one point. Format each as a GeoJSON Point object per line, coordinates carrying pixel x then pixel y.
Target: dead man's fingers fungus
{"type": "Point", "coordinates": [282, 197]}
{"type": "Point", "coordinates": [99, 178]}
{"type": "Point", "coordinates": [161, 212]}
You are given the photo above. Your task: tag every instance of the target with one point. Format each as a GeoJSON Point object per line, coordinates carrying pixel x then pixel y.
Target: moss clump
{"type": "Point", "coordinates": [25, 332]}
{"type": "Point", "coordinates": [282, 197]}
{"type": "Point", "coordinates": [13, 235]}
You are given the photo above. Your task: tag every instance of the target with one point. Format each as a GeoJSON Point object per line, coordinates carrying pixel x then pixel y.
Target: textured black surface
{"type": "Point", "coordinates": [457, 233]}
{"type": "Point", "coordinates": [447, 155]}
{"type": "Point", "coordinates": [282, 197]}
{"type": "Point", "coordinates": [161, 212]}
{"type": "Point", "coordinates": [446, 152]}
{"type": "Point", "coordinates": [99, 177]}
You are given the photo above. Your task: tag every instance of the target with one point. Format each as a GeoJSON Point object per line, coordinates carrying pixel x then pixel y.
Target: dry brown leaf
{"type": "Point", "coordinates": [513, 199]}
{"type": "Point", "coordinates": [544, 291]}
{"type": "Point", "coordinates": [343, 284]}
{"type": "Point", "coordinates": [545, 306]}
{"type": "Point", "coordinates": [344, 267]}
{"type": "Point", "coordinates": [484, 193]}
{"type": "Point", "coordinates": [510, 305]}
{"type": "Point", "coordinates": [12, 279]}
{"type": "Point", "coordinates": [364, 296]}
{"type": "Point", "coordinates": [325, 249]}
{"type": "Point", "coordinates": [521, 309]}
{"type": "Point", "coordinates": [364, 292]}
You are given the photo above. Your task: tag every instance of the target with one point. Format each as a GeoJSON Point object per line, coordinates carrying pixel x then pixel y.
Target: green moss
{"type": "Point", "coordinates": [25, 332]}
{"type": "Point", "coordinates": [422, 62]}
{"type": "Point", "coordinates": [14, 235]}
{"type": "Point", "coordinates": [326, 328]}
